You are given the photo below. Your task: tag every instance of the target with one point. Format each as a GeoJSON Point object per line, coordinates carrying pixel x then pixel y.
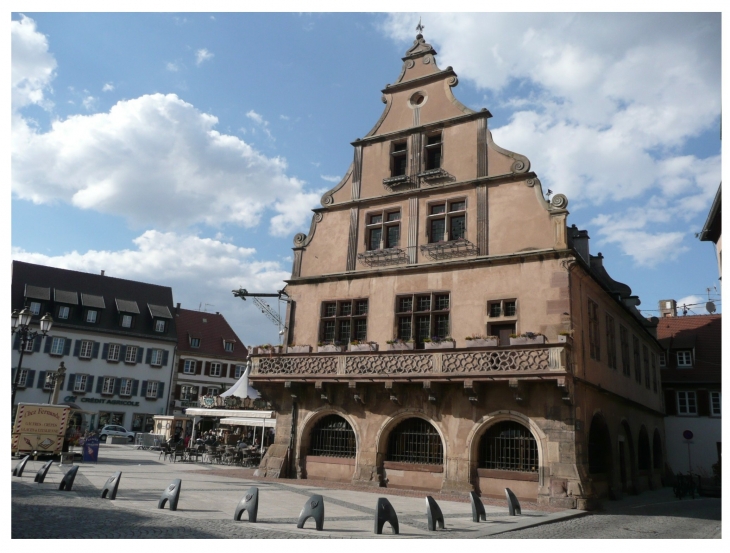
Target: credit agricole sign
{"type": "Point", "coordinates": [102, 400]}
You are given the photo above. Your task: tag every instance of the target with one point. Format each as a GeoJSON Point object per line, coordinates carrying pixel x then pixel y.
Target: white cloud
{"type": "Point", "coordinates": [331, 178]}
{"type": "Point", "coordinates": [108, 87]}
{"type": "Point", "coordinates": [261, 122]}
{"type": "Point", "coordinates": [694, 304]}
{"type": "Point", "coordinates": [89, 103]}
{"type": "Point", "coordinates": [32, 65]}
{"type": "Point", "coordinates": [199, 270]}
{"type": "Point", "coordinates": [284, 117]}
{"type": "Point", "coordinates": [172, 67]}
{"type": "Point", "coordinates": [202, 55]}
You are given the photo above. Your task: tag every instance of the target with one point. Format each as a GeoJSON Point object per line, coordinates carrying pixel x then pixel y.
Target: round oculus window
{"type": "Point", "coordinates": [417, 99]}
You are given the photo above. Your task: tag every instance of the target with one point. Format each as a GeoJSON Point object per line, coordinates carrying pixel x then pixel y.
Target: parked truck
{"type": "Point", "coordinates": [40, 428]}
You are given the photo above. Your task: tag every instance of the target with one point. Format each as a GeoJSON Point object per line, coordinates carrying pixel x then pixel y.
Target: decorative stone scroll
{"type": "Point", "coordinates": [389, 364]}
{"type": "Point", "coordinates": [485, 361]}
{"type": "Point", "coordinates": [297, 365]}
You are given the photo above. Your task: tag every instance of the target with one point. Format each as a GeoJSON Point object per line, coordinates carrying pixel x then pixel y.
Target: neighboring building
{"type": "Point", "coordinates": [712, 231]}
{"type": "Point", "coordinates": [116, 338]}
{"type": "Point", "coordinates": [210, 357]}
{"type": "Point", "coordinates": [435, 231]}
{"type": "Point", "coordinates": [691, 380]}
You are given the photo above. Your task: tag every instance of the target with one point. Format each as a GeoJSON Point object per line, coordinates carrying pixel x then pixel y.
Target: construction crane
{"type": "Point", "coordinates": [265, 307]}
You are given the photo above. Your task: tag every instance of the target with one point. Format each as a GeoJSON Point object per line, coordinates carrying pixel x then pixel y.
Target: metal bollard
{"type": "Point", "coordinates": [477, 508]}
{"type": "Point", "coordinates": [434, 514]}
{"type": "Point", "coordinates": [41, 474]}
{"type": "Point", "coordinates": [512, 503]}
{"type": "Point", "coordinates": [172, 492]}
{"type": "Point", "coordinates": [68, 480]}
{"type": "Point", "coordinates": [384, 512]}
{"type": "Point", "coordinates": [250, 504]}
{"type": "Point", "coordinates": [110, 488]}
{"type": "Point", "coordinates": [314, 507]}
{"type": "Point", "coordinates": [20, 467]}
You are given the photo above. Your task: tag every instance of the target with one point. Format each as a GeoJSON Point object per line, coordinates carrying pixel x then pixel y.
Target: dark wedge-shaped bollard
{"type": "Point", "coordinates": [20, 467]}
{"type": "Point", "coordinates": [384, 512]}
{"type": "Point", "coordinates": [314, 507]}
{"type": "Point", "coordinates": [435, 516]}
{"type": "Point", "coordinates": [477, 508]}
{"type": "Point", "coordinates": [68, 480]}
{"type": "Point", "coordinates": [250, 504]}
{"type": "Point", "coordinates": [41, 474]}
{"type": "Point", "coordinates": [172, 492]}
{"type": "Point", "coordinates": [512, 503]}
{"type": "Point", "coordinates": [109, 491]}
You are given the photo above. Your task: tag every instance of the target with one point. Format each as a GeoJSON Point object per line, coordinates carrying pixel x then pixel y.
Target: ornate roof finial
{"type": "Point", "coordinates": [419, 27]}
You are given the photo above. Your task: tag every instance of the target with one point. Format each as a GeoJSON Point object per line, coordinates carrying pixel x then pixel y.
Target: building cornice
{"type": "Point", "coordinates": [57, 325]}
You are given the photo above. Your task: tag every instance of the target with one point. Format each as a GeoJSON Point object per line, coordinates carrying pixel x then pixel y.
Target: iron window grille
{"type": "Point", "coordinates": [415, 441]}
{"type": "Point", "coordinates": [343, 321]}
{"type": "Point", "coordinates": [422, 316]}
{"type": "Point", "coordinates": [508, 446]}
{"type": "Point", "coordinates": [332, 436]}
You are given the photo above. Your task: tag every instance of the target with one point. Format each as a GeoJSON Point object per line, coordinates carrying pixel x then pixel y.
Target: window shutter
{"type": "Point", "coordinates": [207, 368]}
{"type": "Point", "coordinates": [117, 386]}
{"type": "Point", "coordinates": [31, 378]}
{"type": "Point", "coordinates": [181, 365]}
{"type": "Point", "coordinates": [16, 342]}
{"type": "Point", "coordinates": [37, 343]}
{"type": "Point", "coordinates": [199, 367]}
{"type": "Point", "coordinates": [231, 371]}
{"type": "Point", "coordinates": [143, 391]}
{"type": "Point", "coordinates": [41, 378]}
{"type": "Point", "coordinates": [195, 393]}
{"type": "Point", "coordinates": [204, 390]}
{"type": "Point", "coordinates": [71, 382]}
{"type": "Point", "coordinates": [105, 351]}
{"type": "Point", "coordinates": [703, 403]}
{"type": "Point", "coordinates": [165, 356]}
{"type": "Point", "coordinates": [135, 386]}
{"type": "Point", "coordinates": [67, 346]}
{"type": "Point", "coordinates": [89, 383]}
{"type": "Point", "coordinates": [95, 351]}
{"type": "Point", "coordinates": [148, 359]}
{"type": "Point", "coordinates": [224, 370]}
{"type": "Point", "coordinates": [122, 353]}
{"type": "Point", "coordinates": [177, 391]}
{"type": "Point", "coordinates": [670, 402]}
{"type": "Point", "coordinates": [49, 341]}
{"type": "Point", "coordinates": [77, 348]}
{"type": "Point", "coordinates": [99, 384]}
{"type": "Point", "coordinates": [160, 390]}
{"type": "Point", "coordinates": [139, 354]}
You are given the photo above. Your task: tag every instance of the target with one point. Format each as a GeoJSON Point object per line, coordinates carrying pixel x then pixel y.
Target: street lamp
{"type": "Point", "coordinates": [21, 324]}
{"type": "Point", "coordinates": [54, 379]}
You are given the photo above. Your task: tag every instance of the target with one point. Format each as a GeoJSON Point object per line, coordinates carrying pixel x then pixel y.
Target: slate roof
{"type": "Point", "coordinates": [97, 291]}
{"type": "Point", "coordinates": [703, 334]}
{"type": "Point", "coordinates": [212, 329]}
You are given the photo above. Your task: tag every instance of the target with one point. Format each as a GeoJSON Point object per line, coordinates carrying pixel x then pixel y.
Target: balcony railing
{"type": "Point", "coordinates": [387, 256]}
{"type": "Point", "coordinates": [398, 182]}
{"type": "Point", "coordinates": [466, 363]}
{"type": "Point", "coordinates": [450, 249]}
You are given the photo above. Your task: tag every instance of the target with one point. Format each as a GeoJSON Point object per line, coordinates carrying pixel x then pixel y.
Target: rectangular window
{"type": "Point", "coordinates": [662, 359]}
{"type": "Point", "coordinates": [399, 156]}
{"type": "Point", "coordinates": [653, 371]}
{"type": "Point", "coordinates": [35, 308]}
{"type": "Point", "coordinates": [126, 387]}
{"type": "Point", "coordinates": [57, 346]}
{"type": "Point", "coordinates": [156, 357]}
{"type": "Point", "coordinates": [510, 308]}
{"type": "Point", "coordinates": [85, 350]}
{"type": "Point", "coordinates": [637, 360]}
{"type": "Point", "coordinates": [239, 371]}
{"type": "Point", "coordinates": [49, 382]}
{"type": "Point", "coordinates": [194, 342]}
{"type": "Point", "coordinates": [213, 392]}
{"type": "Point", "coordinates": [91, 316]}
{"type": "Point", "coordinates": [433, 151]}
{"type": "Point", "coordinates": [495, 309]}
{"type": "Point", "coordinates": [430, 318]}
{"type": "Point", "coordinates": [189, 367]}
{"type": "Point", "coordinates": [159, 325]}
{"type": "Point", "coordinates": [610, 341]}
{"type": "Point", "coordinates": [625, 356]}
{"type": "Point", "coordinates": [343, 321]}
{"type": "Point", "coordinates": [228, 346]}
{"type": "Point", "coordinates": [108, 386]}
{"type": "Point", "coordinates": [686, 403]}
{"type": "Point", "coordinates": [383, 230]}
{"type": "Point", "coordinates": [215, 369]}
{"type": "Point", "coordinates": [127, 321]}
{"type": "Point", "coordinates": [684, 359]}
{"type": "Point", "coordinates": [113, 353]}
{"type": "Point", "coordinates": [131, 355]}
{"type": "Point", "coordinates": [80, 383]}
{"type": "Point", "coordinates": [187, 393]}
{"type": "Point", "coordinates": [593, 336]}
{"type": "Point", "coordinates": [22, 378]}
{"type": "Point", "coordinates": [715, 404]}
{"type": "Point", "coordinates": [63, 312]}
{"type": "Point", "coordinates": [447, 221]}
{"type": "Point", "coordinates": [152, 387]}
{"type": "Point", "coordinates": [29, 345]}
{"type": "Point", "coordinates": [647, 374]}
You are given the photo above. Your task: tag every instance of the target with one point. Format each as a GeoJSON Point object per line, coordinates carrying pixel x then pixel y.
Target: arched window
{"type": "Point", "coordinates": [332, 436]}
{"type": "Point", "coordinates": [644, 451]}
{"type": "Point", "coordinates": [415, 441]}
{"type": "Point", "coordinates": [508, 446]}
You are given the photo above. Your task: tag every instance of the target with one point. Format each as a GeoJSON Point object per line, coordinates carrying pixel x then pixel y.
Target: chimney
{"type": "Point", "coordinates": [667, 308]}
{"type": "Point", "coordinates": [102, 272]}
{"type": "Point", "coordinates": [578, 240]}
{"type": "Point", "coordinates": [177, 309]}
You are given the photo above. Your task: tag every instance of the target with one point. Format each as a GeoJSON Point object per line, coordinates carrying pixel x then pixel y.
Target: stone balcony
{"type": "Point", "coordinates": [548, 361]}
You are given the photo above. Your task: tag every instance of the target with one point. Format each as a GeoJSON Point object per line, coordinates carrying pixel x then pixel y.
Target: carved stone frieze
{"type": "Point", "coordinates": [297, 365]}
{"type": "Point", "coordinates": [389, 364]}
{"type": "Point", "coordinates": [485, 361]}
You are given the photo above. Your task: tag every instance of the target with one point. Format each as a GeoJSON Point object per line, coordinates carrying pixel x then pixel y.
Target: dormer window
{"type": "Point", "coordinates": [91, 316]}
{"type": "Point", "coordinates": [126, 321]}
{"type": "Point", "coordinates": [63, 312]}
{"type": "Point", "coordinates": [399, 155]}
{"type": "Point", "coordinates": [35, 307]}
{"type": "Point", "coordinates": [159, 325]}
{"type": "Point", "coordinates": [228, 346]}
{"type": "Point", "coordinates": [684, 359]}
{"type": "Point", "coordinates": [194, 342]}
{"type": "Point", "coordinates": [127, 310]}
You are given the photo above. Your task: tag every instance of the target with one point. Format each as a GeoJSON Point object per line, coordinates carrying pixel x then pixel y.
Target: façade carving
{"type": "Point", "coordinates": [299, 239]}
{"type": "Point", "coordinates": [389, 364]}
{"type": "Point", "coordinates": [560, 201]}
{"type": "Point", "coordinates": [519, 166]}
{"type": "Point", "coordinates": [410, 64]}
{"type": "Point", "coordinates": [485, 361]}
{"type": "Point", "coordinates": [453, 81]}
{"type": "Point", "coordinates": [297, 365]}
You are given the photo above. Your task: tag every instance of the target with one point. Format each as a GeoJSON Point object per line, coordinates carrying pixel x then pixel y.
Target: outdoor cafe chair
{"type": "Point", "coordinates": [178, 452]}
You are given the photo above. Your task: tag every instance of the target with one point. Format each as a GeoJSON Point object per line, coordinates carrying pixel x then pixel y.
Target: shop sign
{"type": "Point", "coordinates": [73, 399]}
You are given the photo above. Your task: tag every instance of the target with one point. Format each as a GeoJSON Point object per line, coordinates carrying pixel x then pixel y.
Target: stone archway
{"type": "Point", "coordinates": [600, 456]}
{"type": "Point", "coordinates": [626, 459]}
{"type": "Point", "coordinates": [334, 457]}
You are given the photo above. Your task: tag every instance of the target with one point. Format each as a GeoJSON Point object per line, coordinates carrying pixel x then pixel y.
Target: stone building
{"type": "Point", "coordinates": [451, 331]}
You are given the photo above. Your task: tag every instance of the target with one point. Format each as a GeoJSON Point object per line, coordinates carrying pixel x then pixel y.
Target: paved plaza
{"type": "Point", "coordinates": [210, 494]}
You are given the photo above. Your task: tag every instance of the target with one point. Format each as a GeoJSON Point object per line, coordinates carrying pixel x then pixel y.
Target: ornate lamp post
{"type": "Point", "coordinates": [54, 379]}
{"type": "Point", "coordinates": [21, 325]}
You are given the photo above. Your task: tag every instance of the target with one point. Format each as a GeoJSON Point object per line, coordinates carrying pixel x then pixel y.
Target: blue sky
{"type": "Point", "coordinates": [188, 149]}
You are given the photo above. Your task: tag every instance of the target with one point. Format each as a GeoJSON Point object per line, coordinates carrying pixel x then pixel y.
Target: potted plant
{"type": "Point", "coordinates": [267, 349]}
{"type": "Point", "coordinates": [302, 348]}
{"type": "Point", "coordinates": [330, 347]}
{"type": "Point", "coordinates": [400, 345]}
{"type": "Point", "coordinates": [479, 341]}
{"type": "Point", "coordinates": [436, 342]}
{"type": "Point", "coordinates": [360, 345]}
{"type": "Point", "coordinates": [526, 339]}
{"type": "Point", "coordinates": [565, 337]}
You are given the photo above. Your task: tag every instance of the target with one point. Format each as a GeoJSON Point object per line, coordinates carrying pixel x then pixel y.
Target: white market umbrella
{"type": "Point", "coordinates": [241, 388]}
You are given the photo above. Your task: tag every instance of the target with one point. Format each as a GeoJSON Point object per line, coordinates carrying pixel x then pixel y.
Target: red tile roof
{"type": "Point", "coordinates": [212, 329]}
{"type": "Point", "coordinates": [704, 333]}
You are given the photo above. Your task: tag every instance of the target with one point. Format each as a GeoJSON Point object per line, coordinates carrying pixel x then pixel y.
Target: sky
{"type": "Point", "coordinates": [187, 149]}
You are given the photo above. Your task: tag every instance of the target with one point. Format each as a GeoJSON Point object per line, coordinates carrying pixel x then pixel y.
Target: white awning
{"type": "Point", "coordinates": [234, 413]}
{"type": "Point", "coordinates": [241, 388]}
{"type": "Point", "coordinates": [268, 423]}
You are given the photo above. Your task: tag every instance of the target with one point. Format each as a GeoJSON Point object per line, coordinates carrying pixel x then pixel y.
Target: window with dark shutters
{"type": "Point", "coordinates": [139, 354]}
{"type": "Point", "coordinates": [95, 351]}
{"type": "Point", "coordinates": [89, 383]}
{"type": "Point", "coordinates": [67, 346]}
{"type": "Point", "coordinates": [135, 387]}
{"type": "Point", "coordinates": [199, 368]}
{"type": "Point", "coordinates": [670, 402]}
{"type": "Point", "coordinates": [207, 368]}
{"type": "Point", "coordinates": [41, 379]}
{"type": "Point", "coordinates": [165, 357]}
{"type": "Point", "coordinates": [77, 348]}
{"type": "Point", "coordinates": [160, 390]}
{"type": "Point", "coordinates": [71, 382]}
